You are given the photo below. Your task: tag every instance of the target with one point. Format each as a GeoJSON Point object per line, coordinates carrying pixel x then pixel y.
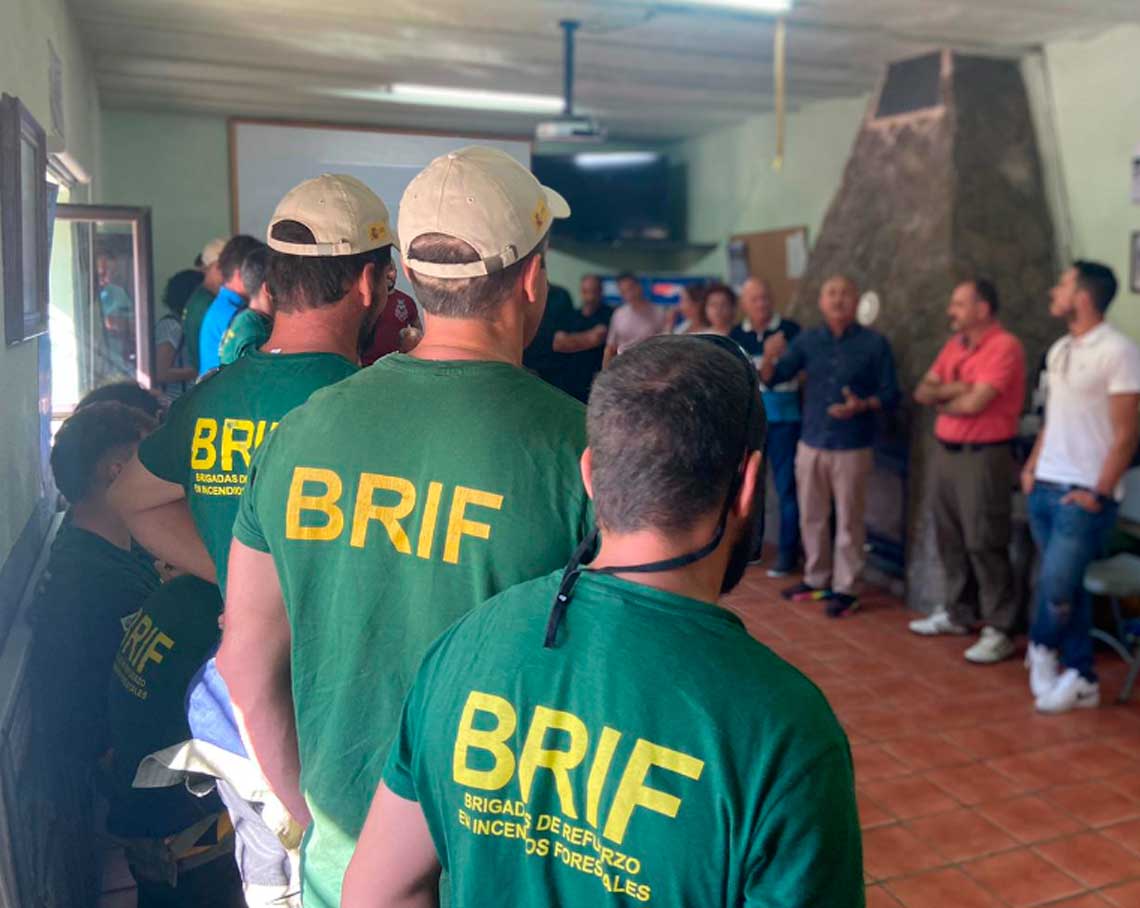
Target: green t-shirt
{"type": "Point", "coordinates": [192, 316]}
{"type": "Point", "coordinates": [393, 503]}
{"type": "Point", "coordinates": [164, 644]}
{"type": "Point", "coordinates": [248, 331]}
{"type": "Point", "coordinates": [656, 755]}
{"type": "Point", "coordinates": [212, 430]}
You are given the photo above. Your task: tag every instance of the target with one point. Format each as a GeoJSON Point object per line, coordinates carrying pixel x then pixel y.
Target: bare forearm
{"type": "Point", "coordinates": [1116, 464]}
{"type": "Point", "coordinates": [423, 895]}
{"type": "Point", "coordinates": [608, 356]}
{"type": "Point", "coordinates": [264, 707]}
{"type": "Point", "coordinates": [931, 394]}
{"type": "Point", "coordinates": [168, 533]}
{"type": "Point", "coordinates": [565, 342]}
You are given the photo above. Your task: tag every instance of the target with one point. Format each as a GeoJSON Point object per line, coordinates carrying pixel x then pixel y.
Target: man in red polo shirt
{"type": "Point", "coordinates": [398, 328]}
{"type": "Point", "coordinates": [977, 384]}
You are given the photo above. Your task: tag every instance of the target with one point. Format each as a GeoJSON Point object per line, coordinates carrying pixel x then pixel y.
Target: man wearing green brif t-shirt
{"type": "Point", "coordinates": [330, 242]}
{"type": "Point", "coordinates": [391, 504]}
{"type": "Point", "coordinates": [610, 735]}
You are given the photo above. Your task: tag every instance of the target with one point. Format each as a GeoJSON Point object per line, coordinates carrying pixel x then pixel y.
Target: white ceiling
{"type": "Point", "coordinates": [649, 69]}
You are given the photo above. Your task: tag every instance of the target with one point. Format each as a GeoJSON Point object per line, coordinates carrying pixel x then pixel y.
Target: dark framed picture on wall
{"type": "Point", "coordinates": [1134, 261]}
{"type": "Point", "coordinates": [23, 222]}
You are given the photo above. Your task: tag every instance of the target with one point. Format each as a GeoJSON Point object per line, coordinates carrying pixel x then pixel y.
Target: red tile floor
{"type": "Point", "coordinates": [968, 798]}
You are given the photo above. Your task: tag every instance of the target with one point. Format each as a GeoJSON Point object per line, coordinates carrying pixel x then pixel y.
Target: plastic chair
{"type": "Point", "coordinates": [1115, 578]}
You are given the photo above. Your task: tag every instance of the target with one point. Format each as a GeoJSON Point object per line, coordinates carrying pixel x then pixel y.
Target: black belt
{"type": "Point", "coordinates": [955, 447]}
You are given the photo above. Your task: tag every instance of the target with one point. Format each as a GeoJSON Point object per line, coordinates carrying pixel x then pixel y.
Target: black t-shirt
{"type": "Point", "coordinates": [89, 586]}
{"type": "Point", "coordinates": [162, 646]}
{"type": "Point", "coordinates": [576, 371]}
{"type": "Point", "coordinates": [539, 356]}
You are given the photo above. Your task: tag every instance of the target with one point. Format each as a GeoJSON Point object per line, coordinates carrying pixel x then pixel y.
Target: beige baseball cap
{"type": "Point", "coordinates": [212, 251]}
{"type": "Point", "coordinates": [484, 197]}
{"type": "Point", "coordinates": [344, 215]}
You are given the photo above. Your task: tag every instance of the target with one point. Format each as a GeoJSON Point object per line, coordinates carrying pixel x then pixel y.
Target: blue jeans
{"type": "Point", "coordinates": [1068, 538]}
{"type": "Point", "coordinates": [782, 440]}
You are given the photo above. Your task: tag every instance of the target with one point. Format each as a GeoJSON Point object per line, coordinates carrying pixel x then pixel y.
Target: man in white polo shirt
{"type": "Point", "coordinates": [1073, 479]}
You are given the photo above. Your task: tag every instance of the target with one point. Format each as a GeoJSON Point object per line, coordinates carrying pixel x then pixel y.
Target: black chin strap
{"type": "Point", "coordinates": [574, 569]}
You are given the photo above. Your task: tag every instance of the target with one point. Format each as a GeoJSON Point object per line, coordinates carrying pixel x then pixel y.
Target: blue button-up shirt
{"type": "Point", "coordinates": [225, 306]}
{"type": "Point", "coordinates": [859, 359]}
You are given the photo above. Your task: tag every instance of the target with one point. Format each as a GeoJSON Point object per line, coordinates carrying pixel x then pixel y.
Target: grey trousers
{"type": "Point", "coordinates": [971, 496]}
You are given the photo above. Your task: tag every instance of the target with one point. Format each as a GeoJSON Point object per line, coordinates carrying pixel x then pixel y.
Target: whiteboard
{"type": "Point", "coordinates": [269, 159]}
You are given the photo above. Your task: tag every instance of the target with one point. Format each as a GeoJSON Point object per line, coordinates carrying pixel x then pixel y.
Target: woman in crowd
{"type": "Point", "coordinates": [689, 316]}
{"type": "Point", "coordinates": [173, 371]}
{"type": "Point", "coordinates": [720, 310]}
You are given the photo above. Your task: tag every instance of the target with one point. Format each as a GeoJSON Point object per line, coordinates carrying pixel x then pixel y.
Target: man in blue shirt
{"type": "Point", "coordinates": [850, 375]}
{"type": "Point", "coordinates": [782, 407]}
{"type": "Point", "coordinates": [231, 299]}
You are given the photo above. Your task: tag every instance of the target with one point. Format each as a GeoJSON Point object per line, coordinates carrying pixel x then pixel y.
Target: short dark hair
{"type": "Point", "coordinates": [128, 393]}
{"type": "Point", "coordinates": [592, 277]}
{"type": "Point", "coordinates": [86, 437]}
{"type": "Point", "coordinates": [253, 270]}
{"type": "Point", "coordinates": [987, 292]}
{"type": "Point", "coordinates": [233, 254]}
{"type": "Point", "coordinates": [179, 288]}
{"type": "Point", "coordinates": [627, 276]}
{"type": "Point", "coordinates": [299, 282]}
{"type": "Point", "coordinates": [666, 427]}
{"type": "Point", "coordinates": [464, 297]}
{"type": "Point", "coordinates": [720, 288]}
{"type": "Point", "coordinates": [1098, 281]}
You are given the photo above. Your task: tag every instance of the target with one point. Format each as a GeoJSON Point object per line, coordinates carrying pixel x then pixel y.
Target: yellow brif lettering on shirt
{"type": "Point", "coordinates": [324, 503]}
{"type": "Point", "coordinates": [491, 741]}
{"type": "Point", "coordinates": [144, 643]}
{"type": "Point", "coordinates": [632, 792]}
{"type": "Point", "coordinates": [237, 438]}
{"type": "Point", "coordinates": [389, 516]}
{"type": "Point", "coordinates": [559, 762]}
{"type": "Point", "coordinates": [457, 523]}
{"type": "Point", "coordinates": [390, 501]}
{"type": "Point", "coordinates": [203, 455]}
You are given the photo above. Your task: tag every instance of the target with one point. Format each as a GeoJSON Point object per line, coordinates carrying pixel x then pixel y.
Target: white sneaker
{"type": "Point", "coordinates": [1044, 669]}
{"type": "Point", "coordinates": [936, 624]}
{"type": "Point", "coordinates": [992, 646]}
{"type": "Point", "coordinates": [1070, 692]}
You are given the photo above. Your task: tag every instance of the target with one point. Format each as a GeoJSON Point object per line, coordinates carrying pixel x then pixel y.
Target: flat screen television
{"type": "Point", "coordinates": [614, 196]}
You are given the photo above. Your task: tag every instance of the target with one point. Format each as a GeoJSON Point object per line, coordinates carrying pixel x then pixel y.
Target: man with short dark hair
{"type": "Point", "coordinates": [782, 406]}
{"type": "Point", "coordinates": [251, 327]}
{"type": "Point", "coordinates": [637, 318]}
{"type": "Point", "coordinates": [1073, 479]}
{"type": "Point", "coordinates": [850, 377]}
{"type": "Point", "coordinates": [977, 385]}
{"type": "Point", "coordinates": [394, 502]}
{"type": "Point", "coordinates": [330, 242]}
{"type": "Point", "coordinates": [199, 303]}
{"type": "Point", "coordinates": [576, 738]}
{"type": "Point", "coordinates": [580, 339]}
{"type": "Point", "coordinates": [398, 328]}
{"type": "Point", "coordinates": [93, 580]}
{"type": "Point", "coordinates": [231, 299]}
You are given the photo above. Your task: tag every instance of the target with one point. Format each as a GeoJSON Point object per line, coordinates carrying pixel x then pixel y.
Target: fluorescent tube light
{"type": "Point", "coordinates": [742, 6]}
{"type": "Point", "coordinates": [600, 160]}
{"type": "Point", "coordinates": [479, 99]}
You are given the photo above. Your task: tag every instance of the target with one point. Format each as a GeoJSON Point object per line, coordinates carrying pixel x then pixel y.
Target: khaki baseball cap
{"type": "Point", "coordinates": [484, 197]}
{"type": "Point", "coordinates": [212, 251]}
{"type": "Point", "coordinates": [344, 215]}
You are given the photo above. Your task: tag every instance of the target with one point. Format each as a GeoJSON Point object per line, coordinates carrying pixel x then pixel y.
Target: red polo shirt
{"type": "Point", "coordinates": [997, 360]}
{"type": "Point", "coordinates": [398, 314]}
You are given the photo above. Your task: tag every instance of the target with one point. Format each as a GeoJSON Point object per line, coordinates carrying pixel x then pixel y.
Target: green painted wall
{"type": "Point", "coordinates": [178, 166]}
{"type": "Point", "coordinates": [1096, 94]}
{"type": "Point", "coordinates": [28, 25]}
{"type": "Point", "coordinates": [733, 187]}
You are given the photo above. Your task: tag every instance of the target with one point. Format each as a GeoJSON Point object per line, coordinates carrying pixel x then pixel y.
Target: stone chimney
{"type": "Point", "coordinates": [944, 183]}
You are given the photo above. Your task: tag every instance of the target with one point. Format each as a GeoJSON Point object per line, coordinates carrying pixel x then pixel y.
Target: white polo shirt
{"type": "Point", "coordinates": [1082, 373]}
